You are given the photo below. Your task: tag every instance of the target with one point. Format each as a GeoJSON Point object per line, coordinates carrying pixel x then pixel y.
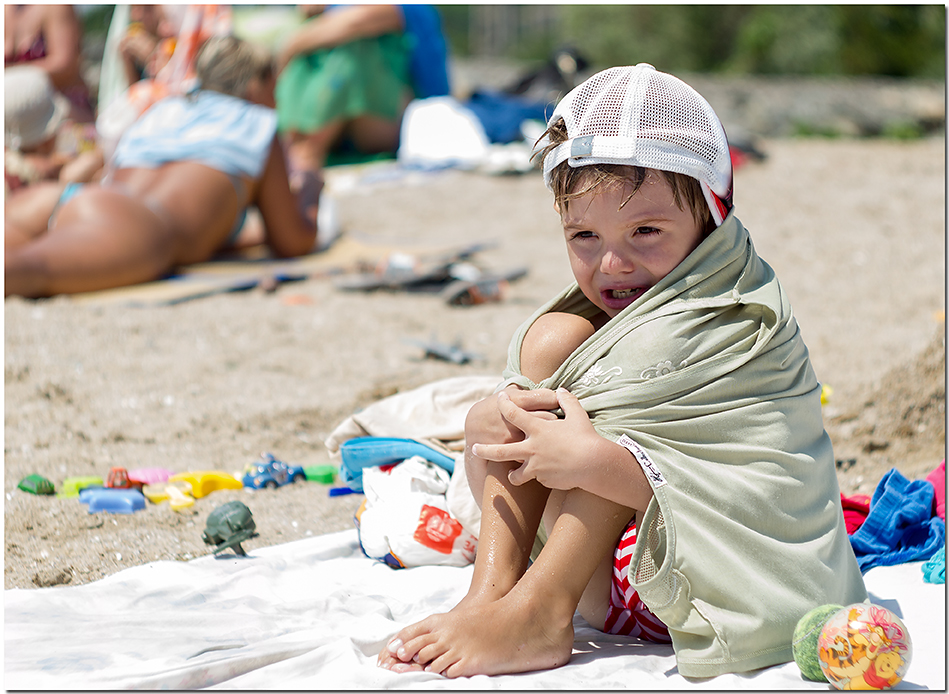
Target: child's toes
{"type": "Point", "coordinates": [429, 652]}
{"type": "Point", "coordinates": [406, 667]}
{"type": "Point", "coordinates": [387, 661]}
{"type": "Point", "coordinates": [411, 651]}
{"type": "Point", "coordinates": [397, 644]}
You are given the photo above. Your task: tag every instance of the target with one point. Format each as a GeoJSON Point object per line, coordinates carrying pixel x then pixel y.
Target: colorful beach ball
{"type": "Point", "coordinates": [864, 647]}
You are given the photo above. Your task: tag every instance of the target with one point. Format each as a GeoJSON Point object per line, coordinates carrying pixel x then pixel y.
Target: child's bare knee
{"type": "Point", "coordinates": [478, 415]}
{"type": "Point", "coordinates": [550, 340]}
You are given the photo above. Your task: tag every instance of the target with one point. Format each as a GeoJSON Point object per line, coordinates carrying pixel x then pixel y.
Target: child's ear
{"type": "Point", "coordinates": [557, 207]}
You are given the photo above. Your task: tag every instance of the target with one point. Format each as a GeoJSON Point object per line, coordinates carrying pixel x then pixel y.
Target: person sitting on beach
{"type": "Point", "coordinates": [162, 40]}
{"type": "Point", "coordinates": [49, 37]}
{"type": "Point", "coordinates": [347, 74]}
{"type": "Point", "coordinates": [40, 142]}
{"type": "Point", "coordinates": [656, 458]}
{"type": "Point", "coordinates": [176, 192]}
{"type": "Point", "coordinates": [148, 42]}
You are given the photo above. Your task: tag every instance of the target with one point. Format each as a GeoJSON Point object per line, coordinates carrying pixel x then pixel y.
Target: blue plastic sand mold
{"type": "Point", "coordinates": [112, 500]}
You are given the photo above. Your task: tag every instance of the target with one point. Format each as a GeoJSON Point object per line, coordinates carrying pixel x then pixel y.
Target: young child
{"type": "Point", "coordinates": [668, 391]}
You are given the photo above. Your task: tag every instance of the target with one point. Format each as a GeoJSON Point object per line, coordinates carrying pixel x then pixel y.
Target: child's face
{"type": "Point", "coordinates": [617, 253]}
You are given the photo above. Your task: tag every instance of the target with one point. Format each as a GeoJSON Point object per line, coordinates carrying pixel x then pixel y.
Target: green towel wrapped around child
{"type": "Point", "coordinates": [706, 380]}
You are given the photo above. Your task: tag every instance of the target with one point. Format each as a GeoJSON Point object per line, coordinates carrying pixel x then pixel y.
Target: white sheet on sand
{"type": "Point", "coordinates": [313, 614]}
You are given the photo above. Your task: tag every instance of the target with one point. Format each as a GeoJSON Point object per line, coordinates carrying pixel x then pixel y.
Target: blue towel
{"type": "Point", "coordinates": [502, 114]}
{"type": "Point", "coordinates": [934, 570]}
{"type": "Point", "coordinates": [901, 526]}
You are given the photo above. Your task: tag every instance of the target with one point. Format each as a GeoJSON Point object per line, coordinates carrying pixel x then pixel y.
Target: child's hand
{"type": "Point", "coordinates": [553, 451]}
{"type": "Point", "coordinates": [486, 424]}
{"type": "Point", "coordinates": [540, 401]}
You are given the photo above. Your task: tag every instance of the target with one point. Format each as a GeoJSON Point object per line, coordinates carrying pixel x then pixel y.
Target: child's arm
{"type": "Point", "coordinates": [561, 454]}
{"type": "Point", "coordinates": [567, 453]}
{"type": "Point", "coordinates": [547, 344]}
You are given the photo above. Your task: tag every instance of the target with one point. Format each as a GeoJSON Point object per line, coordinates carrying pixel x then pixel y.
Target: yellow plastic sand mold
{"type": "Point", "coordinates": [177, 494]}
{"type": "Point", "coordinates": [207, 481]}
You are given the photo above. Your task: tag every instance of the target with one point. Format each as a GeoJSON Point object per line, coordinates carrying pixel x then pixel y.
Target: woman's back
{"type": "Point", "coordinates": [196, 160]}
{"type": "Point", "coordinates": [201, 207]}
{"type": "Point", "coordinates": [224, 132]}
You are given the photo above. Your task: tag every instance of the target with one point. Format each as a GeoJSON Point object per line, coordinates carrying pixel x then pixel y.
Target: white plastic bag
{"type": "Point", "coordinates": [440, 132]}
{"type": "Point", "coordinates": [404, 520]}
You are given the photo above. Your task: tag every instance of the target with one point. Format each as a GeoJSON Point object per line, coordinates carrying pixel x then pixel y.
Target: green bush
{"type": "Point", "coordinates": [893, 40]}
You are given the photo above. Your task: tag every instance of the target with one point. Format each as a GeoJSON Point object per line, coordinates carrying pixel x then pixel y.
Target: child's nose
{"type": "Point", "coordinates": [614, 262]}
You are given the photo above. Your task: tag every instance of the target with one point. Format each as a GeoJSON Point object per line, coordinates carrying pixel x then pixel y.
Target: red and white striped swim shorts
{"type": "Point", "coordinates": [627, 615]}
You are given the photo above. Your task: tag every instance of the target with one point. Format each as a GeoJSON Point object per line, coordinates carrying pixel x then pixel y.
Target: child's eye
{"type": "Point", "coordinates": [648, 231]}
{"type": "Point", "coordinates": [583, 235]}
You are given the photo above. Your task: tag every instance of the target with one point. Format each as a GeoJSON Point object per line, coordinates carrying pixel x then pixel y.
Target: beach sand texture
{"type": "Point", "coordinates": [855, 230]}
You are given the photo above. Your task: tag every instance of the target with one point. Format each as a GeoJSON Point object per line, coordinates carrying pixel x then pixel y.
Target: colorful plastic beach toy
{"type": "Point", "coordinates": [119, 479]}
{"type": "Point", "coordinates": [36, 484]}
{"type": "Point", "coordinates": [343, 491]}
{"type": "Point", "coordinates": [150, 475]}
{"type": "Point", "coordinates": [207, 481]}
{"type": "Point", "coordinates": [271, 473]}
{"type": "Point", "coordinates": [864, 646]}
{"type": "Point", "coordinates": [324, 474]}
{"type": "Point", "coordinates": [112, 500]}
{"type": "Point", "coordinates": [228, 526]}
{"type": "Point", "coordinates": [177, 494]}
{"type": "Point", "coordinates": [73, 485]}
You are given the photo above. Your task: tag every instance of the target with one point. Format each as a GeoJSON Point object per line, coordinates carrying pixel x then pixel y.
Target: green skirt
{"type": "Point", "coordinates": [364, 77]}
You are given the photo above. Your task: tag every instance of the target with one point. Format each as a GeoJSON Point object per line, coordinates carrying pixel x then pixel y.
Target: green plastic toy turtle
{"type": "Point", "coordinates": [228, 526]}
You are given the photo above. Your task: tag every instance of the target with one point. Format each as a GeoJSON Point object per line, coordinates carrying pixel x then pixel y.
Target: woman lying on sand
{"type": "Point", "coordinates": [177, 191]}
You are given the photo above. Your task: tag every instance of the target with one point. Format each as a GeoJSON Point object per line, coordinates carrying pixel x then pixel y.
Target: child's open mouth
{"type": "Point", "coordinates": [618, 299]}
{"type": "Point", "coordinates": [624, 293]}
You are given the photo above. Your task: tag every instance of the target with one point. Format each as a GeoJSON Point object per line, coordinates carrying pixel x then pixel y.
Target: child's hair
{"type": "Point", "coordinates": [228, 65]}
{"type": "Point", "coordinates": [569, 182]}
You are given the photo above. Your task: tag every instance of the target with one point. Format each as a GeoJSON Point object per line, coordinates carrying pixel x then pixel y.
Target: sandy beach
{"type": "Point", "coordinates": [855, 230]}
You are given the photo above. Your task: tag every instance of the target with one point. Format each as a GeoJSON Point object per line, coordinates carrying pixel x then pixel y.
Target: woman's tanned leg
{"type": "Point", "coordinates": [101, 239]}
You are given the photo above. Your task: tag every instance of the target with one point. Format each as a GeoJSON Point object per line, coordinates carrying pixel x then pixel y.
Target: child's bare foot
{"type": "Point", "coordinates": [513, 634]}
{"type": "Point", "coordinates": [389, 659]}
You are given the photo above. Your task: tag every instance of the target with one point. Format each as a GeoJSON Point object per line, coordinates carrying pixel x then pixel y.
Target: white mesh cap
{"type": "Point", "coordinates": [639, 116]}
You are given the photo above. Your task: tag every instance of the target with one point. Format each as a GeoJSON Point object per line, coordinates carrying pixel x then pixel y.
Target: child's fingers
{"type": "Point", "coordinates": [520, 475]}
{"type": "Point", "coordinates": [534, 400]}
{"type": "Point", "coordinates": [569, 403]}
{"type": "Point", "coordinates": [507, 408]}
{"type": "Point", "coordinates": [518, 416]}
{"type": "Point", "coordinates": [497, 452]}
